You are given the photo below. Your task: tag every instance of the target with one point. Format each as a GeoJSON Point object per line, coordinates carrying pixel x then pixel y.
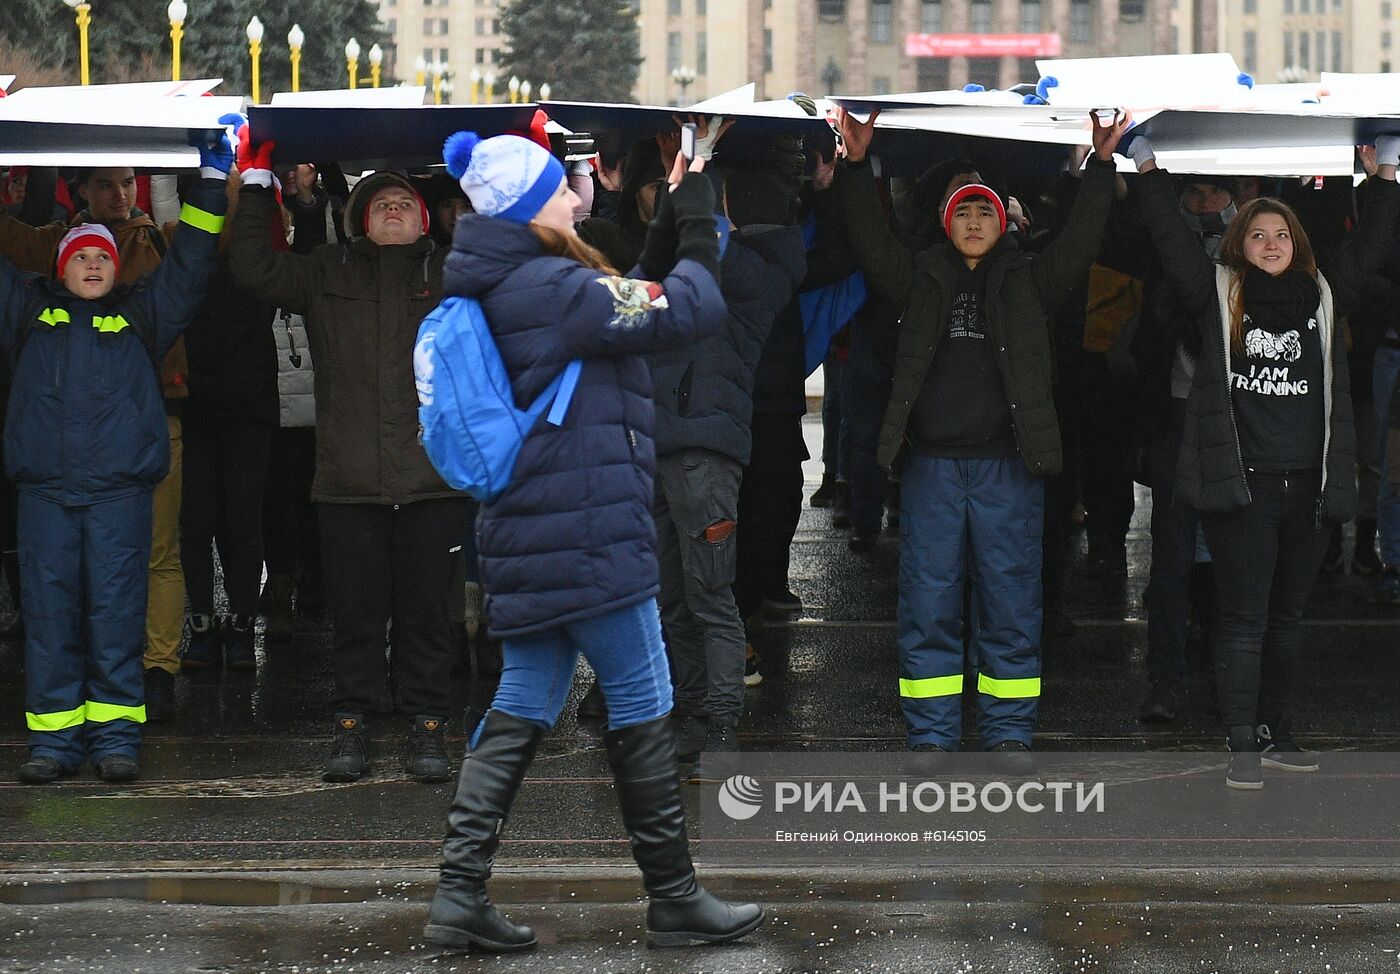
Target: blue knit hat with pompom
{"type": "Point", "coordinates": [506, 176]}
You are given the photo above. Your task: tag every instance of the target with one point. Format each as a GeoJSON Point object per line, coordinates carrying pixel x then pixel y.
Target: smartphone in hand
{"type": "Point", "coordinates": [688, 131]}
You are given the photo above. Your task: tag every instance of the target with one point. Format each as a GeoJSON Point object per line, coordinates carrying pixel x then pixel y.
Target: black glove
{"type": "Point", "coordinates": [659, 250]}
{"type": "Point", "coordinates": [694, 202]}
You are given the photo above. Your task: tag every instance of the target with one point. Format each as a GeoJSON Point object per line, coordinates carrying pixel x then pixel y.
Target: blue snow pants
{"type": "Point", "coordinates": [983, 519]}
{"type": "Point", "coordinates": [83, 573]}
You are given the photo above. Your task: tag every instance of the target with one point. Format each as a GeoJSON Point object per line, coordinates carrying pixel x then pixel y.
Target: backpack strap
{"type": "Point", "coordinates": [568, 382]}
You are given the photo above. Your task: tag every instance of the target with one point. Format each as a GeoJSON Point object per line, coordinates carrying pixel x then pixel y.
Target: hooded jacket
{"type": "Point", "coordinates": [363, 304]}
{"type": "Point", "coordinates": [572, 537]}
{"type": "Point", "coordinates": [1020, 290]}
{"type": "Point", "coordinates": [86, 421]}
{"type": "Point", "coordinates": [1210, 471]}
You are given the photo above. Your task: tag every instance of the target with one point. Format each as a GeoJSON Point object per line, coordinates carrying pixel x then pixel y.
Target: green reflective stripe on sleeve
{"type": "Point", "coordinates": [101, 713]}
{"type": "Point", "coordinates": [55, 316]}
{"type": "Point", "coordinates": [62, 720]}
{"type": "Point", "coordinates": [111, 323]}
{"type": "Point", "coordinates": [201, 219]}
{"type": "Point", "coordinates": [932, 686]}
{"type": "Point", "coordinates": [1008, 689]}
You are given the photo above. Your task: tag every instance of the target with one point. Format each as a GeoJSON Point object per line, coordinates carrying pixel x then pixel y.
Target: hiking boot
{"type": "Point", "coordinates": [926, 760]}
{"type": "Point", "coordinates": [205, 648]}
{"type": "Point", "coordinates": [160, 695]}
{"type": "Point", "coordinates": [1013, 758]}
{"type": "Point", "coordinates": [349, 758]}
{"type": "Point", "coordinates": [691, 733]}
{"type": "Point", "coordinates": [1161, 704]}
{"type": "Point", "coordinates": [118, 769]}
{"type": "Point", "coordinates": [752, 676]}
{"type": "Point", "coordinates": [42, 771]}
{"type": "Point", "coordinates": [1243, 772]}
{"type": "Point", "coordinates": [824, 494]}
{"type": "Point", "coordinates": [1277, 750]}
{"type": "Point", "coordinates": [238, 643]}
{"type": "Point", "coordinates": [427, 759]}
{"type": "Point", "coordinates": [720, 758]}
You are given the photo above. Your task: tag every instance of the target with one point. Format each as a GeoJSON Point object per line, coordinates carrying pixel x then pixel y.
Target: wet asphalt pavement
{"type": "Point", "coordinates": [232, 855]}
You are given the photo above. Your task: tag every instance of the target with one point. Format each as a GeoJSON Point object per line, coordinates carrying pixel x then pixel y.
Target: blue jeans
{"type": "Point", "coordinates": [624, 648]}
{"type": "Point", "coordinates": [984, 518]}
{"type": "Point", "coordinates": [863, 401]}
{"type": "Point", "coordinates": [1384, 377]}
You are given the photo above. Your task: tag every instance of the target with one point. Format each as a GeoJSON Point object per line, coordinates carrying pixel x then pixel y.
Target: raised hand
{"type": "Point", "coordinates": [856, 135]}
{"type": "Point", "coordinates": [1107, 137]}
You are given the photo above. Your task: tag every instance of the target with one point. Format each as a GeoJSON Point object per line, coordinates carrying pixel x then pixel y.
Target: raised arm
{"type": "Point", "coordinates": [1187, 267]}
{"type": "Point", "coordinates": [29, 248]}
{"type": "Point", "coordinates": [170, 297]}
{"type": "Point", "coordinates": [888, 265]}
{"type": "Point", "coordinates": [1363, 252]}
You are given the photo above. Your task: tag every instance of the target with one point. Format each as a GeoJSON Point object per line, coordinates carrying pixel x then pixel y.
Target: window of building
{"type": "Point", "coordinates": [1251, 51]}
{"type": "Point", "coordinates": [1320, 46]}
{"type": "Point", "coordinates": [1251, 6]}
{"type": "Point", "coordinates": [1288, 6]}
{"type": "Point", "coordinates": [673, 50]}
{"type": "Point", "coordinates": [702, 51]}
{"type": "Point", "coordinates": [1337, 51]}
{"type": "Point", "coordinates": [1132, 11]}
{"type": "Point", "coordinates": [1289, 57]}
{"type": "Point", "coordinates": [701, 8]}
{"type": "Point", "coordinates": [1385, 41]}
{"type": "Point", "coordinates": [880, 86]}
{"type": "Point", "coordinates": [1030, 16]}
{"type": "Point", "coordinates": [673, 8]}
{"type": "Point", "coordinates": [391, 26]}
{"type": "Point", "coordinates": [480, 26]}
{"type": "Point", "coordinates": [767, 50]}
{"type": "Point", "coordinates": [442, 55]}
{"type": "Point", "coordinates": [1305, 6]}
{"type": "Point", "coordinates": [1176, 40]}
{"type": "Point", "coordinates": [1385, 10]}
{"type": "Point", "coordinates": [1305, 51]}
{"type": "Point", "coordinates": [1081, 22]}
{"type": "Point", "coordinates": [881, 21]}
{"type": "Point", "coordinates": [832, 11]}
{"type": "Point", "coordinates": [931, 16]}
{"type": "Point", "coordinates": [980, 20]}
{"type": "Point", "coordinates": [1026, 69]}
{"type": "Point", "coordinates": [1336, 6]}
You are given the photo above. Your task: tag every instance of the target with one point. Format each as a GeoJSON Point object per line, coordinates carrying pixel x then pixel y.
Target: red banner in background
{"type": "Point", "coordinates": [982, 45]}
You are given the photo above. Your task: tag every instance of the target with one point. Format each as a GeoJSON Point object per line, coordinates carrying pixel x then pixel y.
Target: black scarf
{"type": "Point", "coordinates": [1278, 304]}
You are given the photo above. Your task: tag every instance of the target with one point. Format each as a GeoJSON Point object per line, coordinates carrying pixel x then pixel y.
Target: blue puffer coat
{"type": "Point", "coordinates": [572, 538]}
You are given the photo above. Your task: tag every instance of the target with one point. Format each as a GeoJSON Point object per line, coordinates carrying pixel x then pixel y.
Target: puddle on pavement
{"type": "Point", "coordinates": [523, 888]}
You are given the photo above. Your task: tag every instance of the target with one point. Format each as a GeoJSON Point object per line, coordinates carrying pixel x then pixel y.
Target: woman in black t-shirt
{"type": "Point", "coordinates": [1269, 446]}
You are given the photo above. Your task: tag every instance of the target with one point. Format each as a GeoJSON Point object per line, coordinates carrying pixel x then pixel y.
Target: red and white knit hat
{"type": "Point", "coordinates": [969, 191]}
{"type": "Point", "coordinates": [86, 235]}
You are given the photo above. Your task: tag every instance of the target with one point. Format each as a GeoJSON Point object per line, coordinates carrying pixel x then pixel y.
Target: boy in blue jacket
{"type": "Point", "coordinates": [86, 444]}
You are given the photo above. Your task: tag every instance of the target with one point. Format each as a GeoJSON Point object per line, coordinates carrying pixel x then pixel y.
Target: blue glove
{"type": "Point", "coordinates": [218, 159]}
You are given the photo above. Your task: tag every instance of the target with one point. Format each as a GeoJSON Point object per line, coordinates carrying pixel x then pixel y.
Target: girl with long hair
{"type": "Point", "coordinates": [568, 551]}
{"type": "Point", "coordinates": [1268, 452]}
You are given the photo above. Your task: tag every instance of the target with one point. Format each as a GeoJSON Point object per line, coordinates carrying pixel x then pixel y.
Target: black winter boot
{"type": "Point", "coordinates": [462, 915]}
{"type": "Point", "coordinates": [680, 911]}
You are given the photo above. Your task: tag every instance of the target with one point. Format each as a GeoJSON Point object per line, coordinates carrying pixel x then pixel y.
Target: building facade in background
{"type": "Point", "coordinates": [1296, 40]}
{"type": "Point", "coordinates": [461, 34]}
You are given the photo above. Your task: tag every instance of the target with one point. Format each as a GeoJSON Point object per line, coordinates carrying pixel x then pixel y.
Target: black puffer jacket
{"type": "Point", "coordinates": [1020, 289]}
{"type": "Point", "coordinates": [1210, 471]}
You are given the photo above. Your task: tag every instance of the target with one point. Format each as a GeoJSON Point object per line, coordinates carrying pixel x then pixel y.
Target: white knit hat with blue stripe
{"type": "Point", "coordinates": [507, 176]}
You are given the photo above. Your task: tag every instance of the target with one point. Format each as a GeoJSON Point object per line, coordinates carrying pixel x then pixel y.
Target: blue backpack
{"type": "Point", "coordinates": [469, 425]}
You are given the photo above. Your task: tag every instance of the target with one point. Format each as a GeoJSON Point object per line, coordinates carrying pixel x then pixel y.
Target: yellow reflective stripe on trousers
{"type": "Point", "coordinates": [201, 219]}
{"type": "Point", "coordinates": [110, 323]}
{"type": "Point", "coordinates": [55, 316]}
{"type": "Point", "coordinates": [932, 686]}
{"type": "Point", "coordinates": [1008, 689]}
{"type": "Point", "coordinates": [61, 720]}
{"type": "Point", "coordinates": [101, 713]}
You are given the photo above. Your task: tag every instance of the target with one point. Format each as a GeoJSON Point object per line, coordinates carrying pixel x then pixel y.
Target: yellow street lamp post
{"type": "Point", "coordinates": [296, 37]}
{"type": "Point", "coordinates": [352, 61]}
{"type": "Point", "coordinates": [513, 86]}
{"type": "Point", "coordinates": [255, 36]}
{"type": "Point", "coordinates": [544, 91]}
{"type": "Point", "coordinates": [176, 12]}
{"type": "Point", "coordinates": [83, 16]}
{"type": "Point", "coordinates": [524, 92]}
{"type": "Point", "coordinates": [439, 69]}
{"type": "Point", "coordinates": [376, 58]}
{"type": "Point", "coordinates": [475, 77]}
{"type": "Point", "coordinates": [490, 86]}
{"type": "Point", "coordinates": [420, 71]}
